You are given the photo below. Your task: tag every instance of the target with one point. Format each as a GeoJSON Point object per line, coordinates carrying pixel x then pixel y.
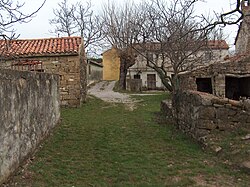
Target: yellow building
{"type": "Point", "coordinates": [111, 64]}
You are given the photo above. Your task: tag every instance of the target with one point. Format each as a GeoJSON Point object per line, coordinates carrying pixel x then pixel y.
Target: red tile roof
{"type": "Point", "coordinates": [211, 44]}
{"type": "Point", "coordinates": [238, 57]}
{"type": "Point", "coordinates": [40, 47]}
{"type": "Point", "coordinates": [218, 44]}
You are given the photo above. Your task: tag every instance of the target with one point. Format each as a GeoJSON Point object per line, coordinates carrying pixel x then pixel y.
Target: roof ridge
{"type": "Point", "coordinates": [51, 38]}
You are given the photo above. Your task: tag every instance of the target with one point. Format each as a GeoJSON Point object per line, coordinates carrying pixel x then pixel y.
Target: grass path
{"type": "Point", "coordinates": [102, 144]}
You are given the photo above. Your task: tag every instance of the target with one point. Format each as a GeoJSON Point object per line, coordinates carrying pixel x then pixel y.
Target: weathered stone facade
{"type": "Point", "coordinates": [68, 67]}
{"type": "Point", "coordinates": [198, 114]}
{"type": "Point", "coordinates": [30, 108]}
{"type": "Point", "coordinates": [59, 56]}
{"type": "Point", "coordinates": [219, 74]}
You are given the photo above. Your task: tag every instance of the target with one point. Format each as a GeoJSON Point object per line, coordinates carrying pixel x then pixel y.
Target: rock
{"type": "Point", "coordinates": [216, 149]}
{"type": "Point", "coordinates": [206, 124]}
{"type": "Point", "coordinates": [247, 137]}
{"type": "Point", "coordinates": [207, 113]}
{"type": "Point", "coordinates": [246, 166]}
{"type": "Point", "coordinates": [246, 104]}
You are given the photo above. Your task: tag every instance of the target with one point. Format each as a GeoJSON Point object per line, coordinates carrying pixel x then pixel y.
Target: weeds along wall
{"type": "Point", "coordinates": [29, 109]}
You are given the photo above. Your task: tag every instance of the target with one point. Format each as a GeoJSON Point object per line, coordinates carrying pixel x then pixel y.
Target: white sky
{"type": "Point", "coordinates": [39, 26]}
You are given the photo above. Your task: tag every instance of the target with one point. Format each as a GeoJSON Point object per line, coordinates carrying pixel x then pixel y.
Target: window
{"type": "Point", "coordinates": [204, 85]}
{"type": "Point", "coordinates": [137, 76]}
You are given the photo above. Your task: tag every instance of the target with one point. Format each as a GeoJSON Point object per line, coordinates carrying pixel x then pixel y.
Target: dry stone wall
{"type": "Point", "coordinates": [197, 113]}
{"type": "Point", "coordinates": [68, 67]}
{"type": "Point", "coordinates": [29, 109]}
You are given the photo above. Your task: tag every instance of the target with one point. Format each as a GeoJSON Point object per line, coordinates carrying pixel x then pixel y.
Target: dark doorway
{"type": "Point", "coordinates": [237, 87]}
{"type": "Point", "coordinates": [204, 85]}
{"type": "Point", "coordinates": [151, 81]}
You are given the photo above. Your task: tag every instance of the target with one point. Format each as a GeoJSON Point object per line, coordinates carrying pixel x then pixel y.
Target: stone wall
{"type": "Point", "coordinates": [29, 110]}
{"type": "Point", "coordinates": [68, 67]}
{"type": "Point", "coordinates": [197, 113]}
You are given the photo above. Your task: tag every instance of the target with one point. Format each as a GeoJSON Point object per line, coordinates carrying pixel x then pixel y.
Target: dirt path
{"type": "Point", "coordinates": [104, 91]}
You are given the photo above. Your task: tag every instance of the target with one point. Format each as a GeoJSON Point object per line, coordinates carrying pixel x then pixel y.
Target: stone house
{"type": "Point", "coordinates": [212, 117]}
{"type": "Point", "coordinates": [146, 77]}
{"type": "Point", "coordinates": [94, 70]}
{"type": "Point", "coordinates": [228, 79]}
{"type": "Point", "coordinates": [53, 55]}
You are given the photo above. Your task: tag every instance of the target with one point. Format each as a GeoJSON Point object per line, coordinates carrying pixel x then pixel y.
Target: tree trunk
{"type": "Point", "coordinates": [123, 74]}
{"type": "Point", "coordinates": [83, 73]}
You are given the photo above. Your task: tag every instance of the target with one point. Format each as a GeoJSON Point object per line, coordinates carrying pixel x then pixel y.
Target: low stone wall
{"type": "Point", "coordinates": [198, 113]}
{"type": "Point", "coordinates": [30, 108]}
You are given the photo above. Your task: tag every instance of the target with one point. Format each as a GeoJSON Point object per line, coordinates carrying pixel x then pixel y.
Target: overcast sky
{"type": "Point", "coordinates": [39, 26]}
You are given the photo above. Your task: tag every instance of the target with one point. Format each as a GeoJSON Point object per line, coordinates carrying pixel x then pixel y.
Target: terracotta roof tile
{"type": "Point", "coordinates": [212, 44]}
{"type": "Point", "coordinates": [238, 57]}
{"type": "Point", "coordinates": [40, 47]}
{"type": "Point", "coordinates": [218, 44]}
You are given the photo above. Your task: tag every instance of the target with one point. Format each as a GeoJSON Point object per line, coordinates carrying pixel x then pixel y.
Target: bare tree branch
{"type": "Point", "coordinates": [78, 19]}
{"type": "Point", "coordinates": [11, 13]}
{"type": "Point", "coordinates": [120, 31]}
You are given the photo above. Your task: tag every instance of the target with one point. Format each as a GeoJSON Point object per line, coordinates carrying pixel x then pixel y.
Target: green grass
{"type": "Point", "coordinates": [102, 144]}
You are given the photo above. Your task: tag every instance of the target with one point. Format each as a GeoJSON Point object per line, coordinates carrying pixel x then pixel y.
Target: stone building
{"type": "Point", "coordinates": [229, 79]}
{"type": "Point", "coordinates": [52, 55]}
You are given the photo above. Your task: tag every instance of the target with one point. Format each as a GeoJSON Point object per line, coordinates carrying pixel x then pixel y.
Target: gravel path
{"type": "Point", "coordinates": [104, 91]}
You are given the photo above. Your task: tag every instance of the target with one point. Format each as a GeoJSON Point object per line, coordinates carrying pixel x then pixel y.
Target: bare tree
{"type": "Point", "coordinates": [88, 24]}
{"type": "Point", "coordinates": [77, 19]}
{"type": "Point", "coordinates": [120, 31]}
{"type": "Point", "coordinates": [231, 17]}
{"type": "Point", "coordinates": [10, 13]}
{"type": "Point", "coordinates": [170, 37]}
{"type": "Point", "coordinates": [64, 19]}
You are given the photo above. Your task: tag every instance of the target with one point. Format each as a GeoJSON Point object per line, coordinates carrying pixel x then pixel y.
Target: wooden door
{"type": "Point", "coordinates": [151, 81]}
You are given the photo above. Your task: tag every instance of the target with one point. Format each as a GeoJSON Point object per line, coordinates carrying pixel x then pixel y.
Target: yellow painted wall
{"type": "Point", "coordinates": [111, 65]}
